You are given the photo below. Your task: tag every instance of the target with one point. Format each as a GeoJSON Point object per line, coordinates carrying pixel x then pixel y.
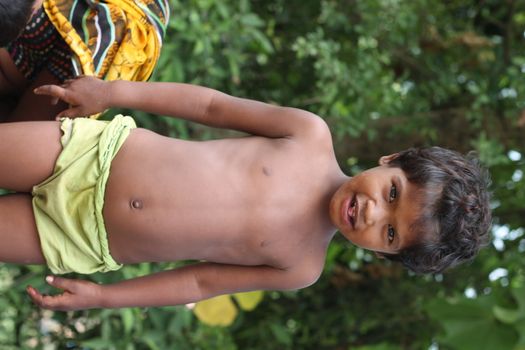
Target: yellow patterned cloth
{"type": "Point", "coordinates": [111, 39]}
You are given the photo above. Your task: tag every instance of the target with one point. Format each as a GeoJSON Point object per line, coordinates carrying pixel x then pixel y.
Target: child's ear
{"type": "Point", "coordinates": [379, 255]}
{"type": "Point", "coordinates": [386, 159]}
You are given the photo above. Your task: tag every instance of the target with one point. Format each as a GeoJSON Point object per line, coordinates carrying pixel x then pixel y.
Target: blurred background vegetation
{"type": "Point", "coordinates": [386, 75]}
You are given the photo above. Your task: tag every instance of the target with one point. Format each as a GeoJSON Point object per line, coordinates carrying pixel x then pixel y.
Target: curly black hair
{"type": "Point", "coordinates": [14, 14]}
{"type": "Point", "coordinates": [456, 216]}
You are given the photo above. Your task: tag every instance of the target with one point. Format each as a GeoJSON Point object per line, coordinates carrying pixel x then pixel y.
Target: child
{"type": "Point", "coordinates": [49, 41]}
{"type": "Point", "coordinates": [258, 212]}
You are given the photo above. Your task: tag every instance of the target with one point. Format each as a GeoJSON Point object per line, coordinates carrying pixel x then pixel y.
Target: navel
{"type": "Point", "coordinates": [266, 171]}
{"type": "Point", "coordinates": [136, 204]}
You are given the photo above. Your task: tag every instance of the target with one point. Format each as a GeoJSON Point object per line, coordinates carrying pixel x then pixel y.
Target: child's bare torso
{"type": "Point", "coordinates": [247, 201]}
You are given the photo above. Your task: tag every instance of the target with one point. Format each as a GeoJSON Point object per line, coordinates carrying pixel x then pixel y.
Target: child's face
{"type": "Point", "coordinates": [375, 209]}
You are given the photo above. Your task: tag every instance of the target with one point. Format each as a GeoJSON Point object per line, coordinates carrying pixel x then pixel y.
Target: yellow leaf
{"type": "Point", "coordinates": [248, 301]}
{"type": "Point", "coordinates": [218, 311]}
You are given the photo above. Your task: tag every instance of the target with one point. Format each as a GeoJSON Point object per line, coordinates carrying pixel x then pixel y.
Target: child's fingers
{"type": "Point", "coordinates": [53, 91]}
{"type": "Point", "coordinates": [61, 283]}
{"type": "Point", "coordinates": [46, 301]}
{"type": "Point", "coordinates": [35, 295]}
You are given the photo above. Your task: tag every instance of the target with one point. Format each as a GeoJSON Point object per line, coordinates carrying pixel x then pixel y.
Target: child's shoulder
{"type": "Point", "coordinates": [313, 128]}
{"type": "Point", "coordinates": [310, 267]}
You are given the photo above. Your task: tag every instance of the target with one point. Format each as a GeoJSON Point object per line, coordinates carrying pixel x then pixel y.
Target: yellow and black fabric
{"type": "Point", "coordinates": [110, 39]}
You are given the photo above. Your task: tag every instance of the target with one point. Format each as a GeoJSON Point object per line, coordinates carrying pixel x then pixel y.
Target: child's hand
{"type": "Point", "coordinates": [76, 295]}
{"type": "Point", "coordinates": [85, 95]}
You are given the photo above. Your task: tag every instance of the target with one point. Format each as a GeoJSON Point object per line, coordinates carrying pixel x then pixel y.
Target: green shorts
{"type": "Point", "coordinates": [68, 205]}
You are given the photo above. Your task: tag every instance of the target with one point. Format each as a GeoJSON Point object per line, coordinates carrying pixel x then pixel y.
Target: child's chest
{"type": "Point", "coordinates": [252, 201]}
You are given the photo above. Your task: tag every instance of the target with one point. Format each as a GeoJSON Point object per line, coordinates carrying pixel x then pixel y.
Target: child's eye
{"type": "Point", "coordinates": [393, 193]}
{"type": "Point", "coordinates": [391, 234]}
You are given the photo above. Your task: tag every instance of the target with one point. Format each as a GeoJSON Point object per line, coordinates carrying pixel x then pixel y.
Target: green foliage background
{"type": "Point", "coordinates": [386, 75]}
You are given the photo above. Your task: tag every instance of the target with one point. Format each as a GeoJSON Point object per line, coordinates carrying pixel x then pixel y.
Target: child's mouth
{"type": "Point", "coordinates": [352, 211]}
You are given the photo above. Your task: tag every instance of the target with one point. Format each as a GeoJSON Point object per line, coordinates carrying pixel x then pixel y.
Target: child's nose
{"type": "Point", "coordinates": [374, 212]}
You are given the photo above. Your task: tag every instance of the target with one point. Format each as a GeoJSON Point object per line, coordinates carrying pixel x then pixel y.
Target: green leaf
{"type": "Point", "coordinates": [506, 315]}
{"type": "Point", "coordinates": [470, 324]}
{"type": "Point", "coordinates": [151, 339]}
{"type": "Point", "coordinates": [483, 335]}
{"type": "Point", "coordinates": [520, 326]}
{"type": "Point", "coordinates": [252, 20]}
{"type": "Point", "coordinates": [96, 343]}
{"type": "Point", "coordinates": [381, 346]}
{"type": "Point", "coordinates": [511, 316]}
{"type": "Point", "coordinates": [519, 295]}
{"type": "Point", "coordinates": [127, 319]}
{"type": "Point", "coordinates": [281, 334]}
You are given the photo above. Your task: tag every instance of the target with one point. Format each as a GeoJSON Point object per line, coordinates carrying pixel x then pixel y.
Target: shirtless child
{"type": "Point", "coordinates": [258, 212]}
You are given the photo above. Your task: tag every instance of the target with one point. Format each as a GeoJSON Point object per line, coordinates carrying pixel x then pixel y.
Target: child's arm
{"type": "Point", "coordinates": [175, 287]}
{"type": "Point", "coordinates": [88, 96]}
